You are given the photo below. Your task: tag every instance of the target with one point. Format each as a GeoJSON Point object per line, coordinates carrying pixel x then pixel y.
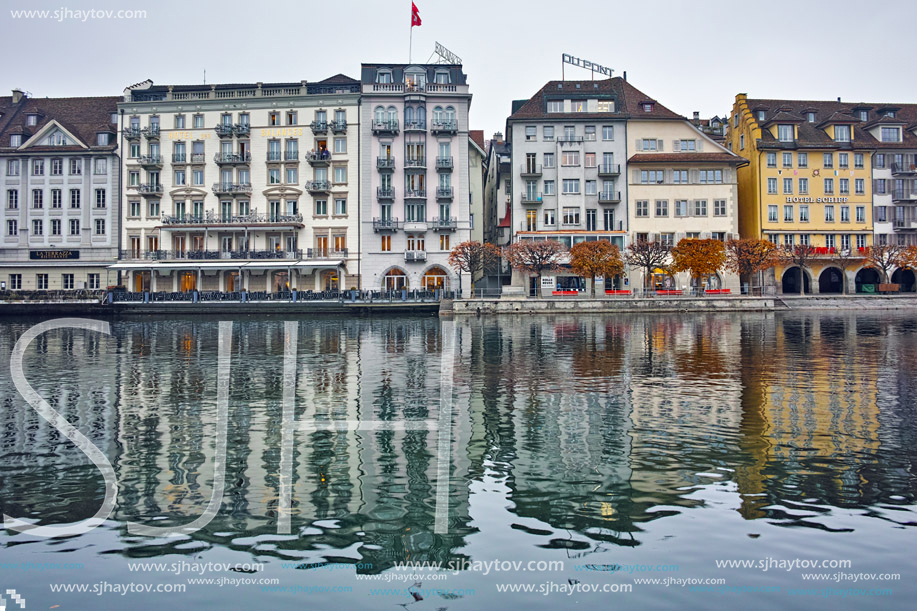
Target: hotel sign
{"type": "Point", "coordinates": [588, 65]}
{"type": "Point", "coordinates": [817, 200]}
{"type": "Point", "coordinates": [53, 255]}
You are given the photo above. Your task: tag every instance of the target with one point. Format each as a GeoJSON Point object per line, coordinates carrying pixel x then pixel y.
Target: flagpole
{"type": "Point", "coordinates": [411, 38]}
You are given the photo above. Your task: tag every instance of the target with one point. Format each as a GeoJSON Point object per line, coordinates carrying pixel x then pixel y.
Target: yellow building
{"type": "Point", "coordinates": [808, 181]}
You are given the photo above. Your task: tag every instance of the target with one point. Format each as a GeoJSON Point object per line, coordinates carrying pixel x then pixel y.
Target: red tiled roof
{"type": "Point", "coordinates": [686, 158]}
{"type": "Point", "coordinates": [478, 136]}
{"type": "Point", "coordinates": [82, 117]}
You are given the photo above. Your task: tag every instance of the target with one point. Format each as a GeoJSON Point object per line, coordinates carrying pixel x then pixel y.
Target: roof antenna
{"type": "Point", "coordinates": [205, 76]}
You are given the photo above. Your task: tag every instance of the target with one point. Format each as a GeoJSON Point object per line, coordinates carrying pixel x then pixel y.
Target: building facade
{"type": "Point", "coordinates": [60, 174]}
{"type": "Point", "coordinates": [241, 187]}
{"type": "Point", "coordinates": [682, 185]}
{"type": "Point", "coordinates": [415, 175]}
{"type": "Point", "coordinates": [808, 181]}
{"type": "Point", "coordinates": [477, 168]}
{"type": "Point", "coordinates": [498, 192]}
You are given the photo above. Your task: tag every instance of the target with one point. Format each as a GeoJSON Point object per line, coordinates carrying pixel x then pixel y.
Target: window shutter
{"type": "Point", "coordinates": [639, 145]}
{"type": "Point", "coordinates": [705, 235]}
{"type": "Point", "coordinates": [679, 237]}
{"type": "Point", "coordinates": [676, 145]}
{"type": "Point", "coordinates": [659, 146]}
{"type": "Point", "coordinates": [636, 180]}
{"type": "Point", "coordinates": [669, 176]}
{"type": "Point", "coordinates": [654, 237]}
{"type": "Point", "coordinates": [694, 176]}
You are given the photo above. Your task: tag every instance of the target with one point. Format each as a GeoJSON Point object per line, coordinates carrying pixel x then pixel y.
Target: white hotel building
{"type": "Point", "coordinates": [240, 186]}
{"type": "Point", "coordinates": [415, 181]}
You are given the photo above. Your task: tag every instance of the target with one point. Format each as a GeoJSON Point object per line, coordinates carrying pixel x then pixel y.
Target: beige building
{"type": "Point", "coordinates": [682, 184]}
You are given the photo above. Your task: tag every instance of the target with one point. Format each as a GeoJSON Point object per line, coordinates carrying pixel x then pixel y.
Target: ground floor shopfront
{"type": "Point", "coordinates": [828, 279]}
{"type": "Point", "coordinates": [56, 276]}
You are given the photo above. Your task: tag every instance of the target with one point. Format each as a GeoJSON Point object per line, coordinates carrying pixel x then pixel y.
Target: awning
{"type": "Point", "coordinates": [191, 265]}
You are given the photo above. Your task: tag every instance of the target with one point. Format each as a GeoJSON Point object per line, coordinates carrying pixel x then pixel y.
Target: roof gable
{"type": "Point", "coordinates": [49, 129]}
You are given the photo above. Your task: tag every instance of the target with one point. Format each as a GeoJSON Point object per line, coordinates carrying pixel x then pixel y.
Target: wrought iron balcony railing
{"type": "Point", "coordinates": [385, 225]}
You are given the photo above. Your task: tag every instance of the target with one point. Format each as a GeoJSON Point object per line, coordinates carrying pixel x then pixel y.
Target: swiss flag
{"type": "Point", "coordinates": [415, 15]}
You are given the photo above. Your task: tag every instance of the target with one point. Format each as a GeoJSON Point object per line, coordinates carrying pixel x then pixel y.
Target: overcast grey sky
{"type": "Point", "coordinates": [688, 55]}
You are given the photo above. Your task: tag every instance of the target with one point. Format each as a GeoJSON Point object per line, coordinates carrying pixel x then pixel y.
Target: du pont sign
{"type": "Point", "coordinates": [53, 255]}
{"type": "Point", "coordinates": [588, 65]}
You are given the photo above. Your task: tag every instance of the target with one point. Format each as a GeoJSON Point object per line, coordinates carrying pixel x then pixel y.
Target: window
{"type": "Point", "coordinates": [788, 239]}
{"type": "Point", "coordinates": [719, 207]}
{"type": "Point", "coordinates": [652, 177]}
{"type": "Point", "coordinates": [133, 209]}
{"type": "Point", "coordinates": [829, 214]}
{"type": "Point", "coordinates": [858, 161]}
{"type": "Point", "coordinates": [643, 208]}
{"type": "Point", "coordinates": [890, 134]}
{"type": "Point", "coordinates": [647, 144]}
{"type": "Point", "coordinates": [802, 160]}
{"type": "Point", "coordinates": [804, 239]}
{"type": "Point", "coordinates": [842, 133]}
{"type": "Point", "coordinates": [845, 242]}
{"type": "Point", "coordinates": [57, 167]}
{"type": "Point", "coordinates": [386, 243]}
{"type": "Point", "coordinates": [38, 198]}
{"type": "Point", "coordinates": [810, 117]}
{"type": "Point", "coordinates": [829, 186]}
{"type": "Point", "coordinates": [340, 174]}
{"type": "Point", "coordinates": [880, 186]}
{"type": "Point", "coordinates": [67, 281]}
{"type": "Point", "coordinates": [843, 160]}
{"type": "Point", "coordinates": [75, 195]}
{"type": "Point", "coordinates": [37, 227]}
{"type": "Point", "coordinates": [861, 241]}
{"type": "Point", "coordinates": [845, 214]}
{"type": "Point", "coordinates": [772, 186]}
{"type": "Point", "coordinates": [321, 207]}
{"type": "Point", "coordinates": [589, 133]}
{"type": "Point", "coordinates": [804, 213]}
{"type": "Point", "coordinates": [571, 216]}
{"type": "Point", "coordinates": [100, 166]}
{"type": "Point", "coordinates": [100, 226]}
{"type": "Point", "coordinates": [803, 186]}
{"type": "Point", "coordinates": [179, 121]}
{"type": "Point", "coordinates": [133, 178]}
{"type": "Point", "coordinates": [571, 186]}
{"type": "Point", "coordinates": [861, 214]}
{"type": "Point", "coordinates": [340, 145]}
{"type": "Point", "coordinates": [31, 119]}
{"type": "Point", "coordinates": [880, 160]}
{"type": "Point", "coordinates": [844, 185]}
{"type": "Point", "coordinates": [787, 186]}
{"type": "Point", "coordinates": [15, 282]}
{"type": "Point", "coordinates": [38, 167]}
{"type": "Point", "coordinates": [548, 133]}
{"type": "Point", "coordinates": [340, 206]}
{"type": "Point", "coordinates": [56, 199]}
{"type": "Point", "coordinates": [291, 117]}
{"type": "Point", "coordinates": [860, 186]}
{"type": "Point", "coordinates": [741, 140]}
{"type": "Point", "coordinates": [555, 105]}
{"type": "Point", "coordinates": [41, 282]}
{"type": "Point", "coordinates": [680, 177]}
{"type": "Point", "coordinates": [700, 207]}
{"type": "Point", "coordinates": [647, 107]}
{"type": "Point", "coordinates": [94, 282]}
{"type": "Point", "coordinates": [591, 187]}
{"type": "Point", "coordinates": [828, 160]}
{"type": "Point", "coordinates": [197, 177]}
{"type": "Point", "coordinates": [531, 133]}
{"type": "Point", "coordinates": [788, 214]}
{"type": "Point", "coordinates": [102, 139]}
{"type": "Point", "coordinates": [12, 199]}
{"type": "Point", "coordinates": [608, 132]}
{"type": "Point", "coordinates": [788, 160]}
{"type": "Point", "coordinates": [74, 226]}
{"type": "Point", "coordinates": [549, 219]}
{"type": "Point", "coordinates": [772, 213]}
{"type": "Point", "coordinates": [879, 214]}
{"type": "Point", "coordinates": [570, 158]}
{"type": "Point", "coordinates": [549, 187]}
{"type": "Point", "coordinates": [606, 106]}
{"type": "Point", "coordinates": [772, 160]}
{"type": "Point", "coordinates": [761, 114]}
{"type": "Point", "coordinates": [273, 118]}
{"type": "Point", "coordinates": [548, 160]}
{"type": "Point", "coordinates": [16, 140]}
{"type": "Point", "coordinates": [273, 176]}
{"type": "Point", "coordinates": [785, 133]}
{"type": "Point", "coordinates": [198, 121]}
{"type": "Point", "coordinates": [662, 207]}
{"type": "Point", "coordinates": [12, 167]}
{"type": "Point", "coordinates": [711, 177]}
{"type": "Point", "coordinates": [577, 105]}
{"type": "Point", "coordinates": [179, 177]}
{"type": "Point", "coordinates": [100, 198]}
{"type": "Point", "coordinates": [608, 219]}
{"type": "Point", "coordinates": [681, 207]}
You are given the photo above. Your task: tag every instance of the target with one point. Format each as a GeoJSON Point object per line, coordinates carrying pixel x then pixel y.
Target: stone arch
{"type": "Point", "coordinates": [395, 278]}
{"type": "Point", "coordinates": [831, 281]}
{"type": "Point", "coordinates": [791, 279]}
{"type": "Point", "coordinates": [906, 278]}
{"type": "Point", "coordinates": [867, 277]}
{"type": "Point", "coordinates": [435, 277]}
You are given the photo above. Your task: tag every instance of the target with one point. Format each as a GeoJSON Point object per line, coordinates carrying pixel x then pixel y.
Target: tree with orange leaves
{"type": "Point", "coordinates": [908, 258]}
{"type": "Point", "coordinates": [748, 256]}
{"type": "Point", "coordinates": [534, 257]}
{"type": "Point", "coordinates": [598, 258]}
{"type": "Point", "coordinates": [701, 258]}
{"type": "Point", "coordinates": [472, 257]}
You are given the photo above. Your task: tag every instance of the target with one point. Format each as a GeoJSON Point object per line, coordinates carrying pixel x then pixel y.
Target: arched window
{"type": "Point", "coordinates": [392, 114]}
{"type": "Point", "coordinates": [379, 114]}
{"type": "Point", "coordinates": [415, 78]}
{"type": "Point", "coordinates": [421, 115]}
{"type": "Point", "coordinates": [384, 75]}
{"type": "Point", "coordinates": [408, 115]}
{"type": "Point", "coordinates": [395, 280]}
{"type": "Point", "coordinates": [438, 114]}
{"type": "Point", "coordinates": [442, 77]}
{"type": "Point", "coordinates": [435, 278]}
{"type": "Point", "coordinates": [450, 114]}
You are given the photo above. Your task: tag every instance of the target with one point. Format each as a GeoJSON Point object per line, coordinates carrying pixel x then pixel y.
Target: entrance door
{"type": "Point", "coordinates": [187, 281]}
{"type": "Point", "coordinates": [531, 220]}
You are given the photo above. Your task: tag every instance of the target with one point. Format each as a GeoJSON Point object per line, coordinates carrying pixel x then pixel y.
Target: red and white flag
{"type": "Point", "coordinates": [415, 15]}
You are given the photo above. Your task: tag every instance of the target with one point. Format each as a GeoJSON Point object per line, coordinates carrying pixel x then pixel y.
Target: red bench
{"type": "Point", "coordinates": [565, 293]}
{"type": "Point", "coordinates": [669, 292]}
{"type": "Point", "coordinates": [718, 291]}
{"type": "Point", "coordinates": [617, 292]}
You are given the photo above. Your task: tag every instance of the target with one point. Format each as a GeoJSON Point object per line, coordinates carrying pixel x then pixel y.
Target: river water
{"type": "Point", "coordinates": [558, 454]}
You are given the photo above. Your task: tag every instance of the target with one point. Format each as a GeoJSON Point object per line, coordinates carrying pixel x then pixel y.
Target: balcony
{"type": "Point", "coordinates": [415, 194]}
{"type": "Point", "coordinates": [530, 170]}
{"type": "Point", "coordinates": [609, 197]}
{"type": "Point", "coordinates": [179, 158]}
{"type": "Point", "coordinates": [318, 160]}
{"type": "Point", "coordinates": [444, 164]}
{"type": "Point", "coordinates": [339, 127]}
{"type": "Point", "coordinates": [198, 158]}
{"type": "Point", "coordinates": [318, 186]}
{"type": "Point", "coordinates": [319, 127]}
{"type": "Point", "coordinates": [444, 192]}
{"type": "Point", "coordinates": [415, 126]}
{"type": "Point", "coordinates": [385, 164]}
{"type": "Point", "coordinates": [291, 156]}
{"type": "Point", "coordinates": [444, 127]}
{"type": "Point", "coordinates": [417, 163]}
{"type": "Point", "coordinates": [274, 155]}
{"type": "Point", "coordinates": [229, 188]}
{"type": "Point", "coordinates": [415, 256]}
{"type": "Point", "coordinates": [385, 193]}
{"type": "Point", "coordinates": [904, 169]}
{"type": "Point", "coordinates": [224, 130]}
{"type": "Point", "coordinates": [902, 195]}
{"type": "Point", "coordinates": [214, 219]}
{"type": "Point", "coordinates": [443, 224]}
{"type": "Point", "coordinates": [387, 127]}
{"type": "Point", "coordinates": [150, 189]}
{"type": "Point", "coordinates": [232, 158]}
{"type": "Point", "coordinates": [131, 133]}
{"type": "Point", "coordinates": [610, 169]}
{"type": "Point", "coordinates": [386, 225]}
{"type": "Point", "coordinates": [151, 132]}
{"type": "Point", "coordinates": [207, 255]}
{"type": "Point", "coordinates": [325, 253]}
{"type": "Point", "coordinates": [151, 161]}
{"type": "Point", "coordinates": [242, 129]}
{"type": "Point", "coordinates": [529, 199]}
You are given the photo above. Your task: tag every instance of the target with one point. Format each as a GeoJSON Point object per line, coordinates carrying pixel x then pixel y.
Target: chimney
{"type": "Point", "coordinates": [838, 99]}
{"type": "Point", "coordinates": [625, 76]}
{"type": "Point", "coordinates": [498, 136]}
{"type": "Point", "coordinates": [696, 116]}
{"type": "Point", "coordinates": [17, 95]}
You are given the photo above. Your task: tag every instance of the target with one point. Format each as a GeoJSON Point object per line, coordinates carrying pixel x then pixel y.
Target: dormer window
{"type": "Point", "coordinates": [415, 77]}
{"type": "Point", "coordinates": [785, 133]}
{"type": "Point", "coordinates": [113, 117]}
{"type": "Point", "coordinates": [810, 116]}
{"type": "Point", "coordinates": [31, 120]}
{"type": "Point", "coordinates": [648, 107]}
{"type": "Point", "coordinates": [890, 114]}
{"type": "Point", "coordinates": [842, 133]}
{"type": "Point", "coordinates": [102, 139]}
{"type": "Point", "coordinates": [761, 114]}
{"type": "Point", "coordinates": [555, 106]}
{"type": "Point", "coordinates": [16, 140]}
{"type": "Point", "coordinates": [384, 76]}
{"type": "Point", "coordinates": [441, 77]}
{"type": "Point", "coordinates": [606, 106]}
{"type": "Point", "coordinates": [890, 134]}
{"type": "Point", "coordinates": [578, 105]}
{"type": "Point", "coordinates": [863, 115]}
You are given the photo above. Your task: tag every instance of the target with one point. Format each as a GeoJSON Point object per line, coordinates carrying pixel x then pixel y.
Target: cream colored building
{"type": "Point", "coordinates": [681, 184]}
{"type": "Point", "coordinates": [226, 186]}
